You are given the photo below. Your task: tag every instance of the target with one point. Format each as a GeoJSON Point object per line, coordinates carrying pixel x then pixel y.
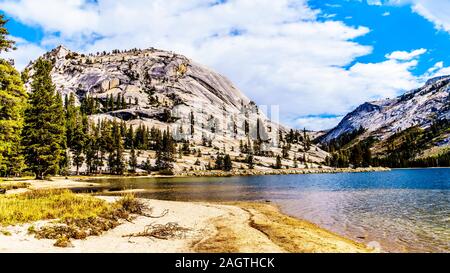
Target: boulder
{"type": "Point", "coordinates": [104, 86]}
{"type": "Point", "coordinates": [132, 89]}
{"type": "Point", "coordinates": [113, 83]}
{"type": "Point", "coordinates": [109, 84]}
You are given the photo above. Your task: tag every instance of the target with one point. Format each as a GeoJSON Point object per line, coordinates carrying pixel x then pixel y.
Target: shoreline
{"type": "Point", "coordinates": [212, 173]}
{"type": "Point", "coordinates": [280, 172]}
{"type": "Point", "coordinates": [88, 181]}
{"type": "Point", "coordinates": [241, 227]}
{"type": "Point", "coordinates": [216, 227]}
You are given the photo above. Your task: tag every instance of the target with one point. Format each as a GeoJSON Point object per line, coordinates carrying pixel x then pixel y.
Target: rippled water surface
{"type": "Point", "coordinates": [402, 210]}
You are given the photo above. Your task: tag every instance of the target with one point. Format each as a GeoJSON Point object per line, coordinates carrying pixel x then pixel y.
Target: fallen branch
{"type": "Point", "coordinates": [164, 213]}
{"type": "Point", "coordinates": [168, 231]}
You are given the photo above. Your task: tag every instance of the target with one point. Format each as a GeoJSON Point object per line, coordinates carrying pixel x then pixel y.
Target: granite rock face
{"type": "Point", "coordinates": [164, 89]}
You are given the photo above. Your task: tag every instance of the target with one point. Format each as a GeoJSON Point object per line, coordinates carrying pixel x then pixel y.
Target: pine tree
{"type": "Point", "coordinates": [13, 100]}
{"type": "Point", "coordinates": [44, 131]}
{"type": "Point", "coordinates": [129, 138]}
{"type": "Point", "coordinates": [5, 44]}
{"type": "Point", "coordinates": [285, 150]}
{"type": "Point", "coordinates": [133, 160]}
{"type": "Point", "coordinates": [111, 103]}
{"type": "Point", "coordinates": [91, 149]}
{"type": "Point", "coordinates": [306, 141]}
{"type": "Point", "coordinates": [219, 163]}
{"type": "Point", "coordinates": [71, 118]}
{"type": "Point", "coordinates": [246, 128]}
{"type": "Point", "coordinates": [185, 148]}
{"type": "Point", "coordinates": [192, 121]}
{"type": "Point", "coordinates": [280, 136]}
{"type": "Point", "coordinates": [77, 141]}
{"type": "Point", "coordinates": [118, 102]}
{"type": "Point", "coordinates": [123, 103]}
{"type": "Point", "coordinates": [249, 161]}
{"type": "Point", "coordinates": [227, 164]}
{"type": "Point", "coordinates": [278, 164]}
{"type": "Point", "coordinates": [148, 165]}
{"type": "Point", "coordinates": [12, 105]}
{"type": "Point", "coordinates": [258, 128]}
{"type": "Point", "coordinates": [75, 131]}
{"type": "Point", "coordinates": [165, 152]}
{"type": "Point", "coordinates": [116, 158]}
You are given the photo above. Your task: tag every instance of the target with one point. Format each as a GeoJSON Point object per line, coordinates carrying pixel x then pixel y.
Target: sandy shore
{"type": "Point", "coordinates": [232, 227]}
{"type": "Point", "coordinates": [237, 227]}
{"type": "Point", "coordinates": [54, 183]}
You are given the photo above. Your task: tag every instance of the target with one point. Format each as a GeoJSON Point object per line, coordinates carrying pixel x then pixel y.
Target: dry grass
{"type": "Point", "coordinates": [77, 216]}
{"type": "Point", "coordinates": [7, 185]}
{"type": "Point", "coordinates": [80, 228]}
{"type": "Point", "coordinates": [48, 204]}
{"type": "Point", "coordinates": [5, 232]}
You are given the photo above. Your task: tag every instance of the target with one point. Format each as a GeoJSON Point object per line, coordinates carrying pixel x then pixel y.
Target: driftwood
{"type": "Point", "coordinates": [164, 213]}
{"type": "Point", "coordinates": [159, 231]}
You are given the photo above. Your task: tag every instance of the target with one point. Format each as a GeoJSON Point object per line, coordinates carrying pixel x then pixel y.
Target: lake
{"type": "Point", "coordinates": [404, 210]}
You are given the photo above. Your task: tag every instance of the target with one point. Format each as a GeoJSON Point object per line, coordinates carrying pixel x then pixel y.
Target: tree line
{"type": "Point", "coordinates": [402, 149]}
{"type": "Point", "coordinates": [405, 147]}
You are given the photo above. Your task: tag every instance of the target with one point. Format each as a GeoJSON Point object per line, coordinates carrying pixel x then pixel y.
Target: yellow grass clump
{"type": "Point", "coordinates": [7, 185]}
{"type": "Point", "coordinates": [48, 204]}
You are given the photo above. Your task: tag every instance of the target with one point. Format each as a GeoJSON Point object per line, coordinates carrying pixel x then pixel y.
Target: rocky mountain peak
{"type": "Point", "coordinates": [59, 52]}
{"type": "Point", "coordinates": [436, 79]}
{"type": "Point", "coordinates": [419, 107]}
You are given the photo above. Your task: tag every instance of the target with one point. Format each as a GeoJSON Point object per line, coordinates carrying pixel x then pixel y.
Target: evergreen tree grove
{"type": "Point", "coordinates": [165, 152]}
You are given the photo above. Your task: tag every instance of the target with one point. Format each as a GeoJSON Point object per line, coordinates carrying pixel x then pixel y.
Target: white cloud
{"type": "Point", "coordinates": [436, 70]}
{"type": "Point", "coordinates": [70, 17]}
{"type": "Point", "coordinates": [317, 123]}
{"type": "Point", "coordinates": [26, 52]}
{"type": "Point", "coordinates": [406, 56]}
{"type": "Point", "coordinates": [374, 2]}
{"type": "Point", "coordinates": [282, 55]}
{"type": "Point", "coordinates": [386, 13]}
{"type": "Point", "coordinates": [435, 11]}
{"type": "Point", "coordinates": [437, 66]}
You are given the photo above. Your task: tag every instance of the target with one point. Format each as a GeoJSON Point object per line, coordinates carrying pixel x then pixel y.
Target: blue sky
{"type": "Point", "coordinates": [393, 28]}
{"type": "Point", "coordinates": [316, 59]}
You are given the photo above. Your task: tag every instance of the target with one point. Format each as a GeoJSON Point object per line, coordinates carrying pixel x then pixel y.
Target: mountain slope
{"type": "Point", "coordinates": [166, 90]}
{"type": "Point", "coordinates": [425, 111]}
